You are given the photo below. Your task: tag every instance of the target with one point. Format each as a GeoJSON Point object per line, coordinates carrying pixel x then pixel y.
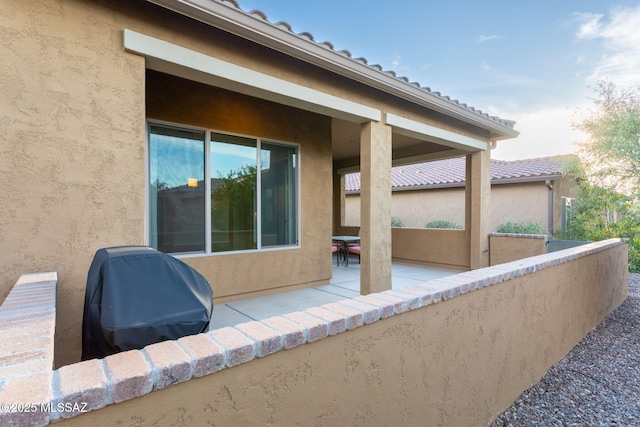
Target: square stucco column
{"type": "Point", "coordinates": [375, 208]}
{"type": "Point", "coordinates": [478, 207]}
{"type": "Point", "coordinates": [338, 202]}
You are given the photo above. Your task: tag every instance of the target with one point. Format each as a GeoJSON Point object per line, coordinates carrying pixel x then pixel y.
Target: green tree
{"type": "Point", "coordinates": [611, 153]}
{"type": "Point", "coordinates": [607, 201]}
{"type": "Point", "coordinates": [600, 213]}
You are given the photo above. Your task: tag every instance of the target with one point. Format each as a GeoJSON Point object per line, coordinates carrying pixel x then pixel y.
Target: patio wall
{"type": "Point", "coordinates": [436, 247]}
{"type": "Point", "coordinates": [453, 351]}
{"type": "Point", "coordinates": [506, 247]}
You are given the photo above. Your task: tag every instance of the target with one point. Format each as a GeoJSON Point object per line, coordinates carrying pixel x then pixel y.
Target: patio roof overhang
{"type": "Point", "coordinates": [413, 141]}
{"type": "Point", "coordinates": [254, 26]}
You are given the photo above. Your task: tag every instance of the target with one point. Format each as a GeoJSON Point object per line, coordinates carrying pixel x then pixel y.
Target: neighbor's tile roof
{"type": "Point", "coordinates": [451, 172]}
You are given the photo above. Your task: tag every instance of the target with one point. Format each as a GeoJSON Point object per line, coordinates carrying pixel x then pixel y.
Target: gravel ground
{"type": "Point", "coordinates": [596, 384]}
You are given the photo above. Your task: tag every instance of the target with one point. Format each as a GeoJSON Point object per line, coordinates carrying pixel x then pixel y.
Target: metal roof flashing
{"type": "Point", "coordinates": [254, 26]}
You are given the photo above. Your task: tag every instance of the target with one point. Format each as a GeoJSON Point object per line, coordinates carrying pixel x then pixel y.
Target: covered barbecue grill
{"type": "Point", "coordinates": [137, 296]}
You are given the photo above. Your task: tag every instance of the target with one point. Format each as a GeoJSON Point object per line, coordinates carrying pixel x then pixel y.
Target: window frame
{"type": "Point", "coordinates": [207, 173]}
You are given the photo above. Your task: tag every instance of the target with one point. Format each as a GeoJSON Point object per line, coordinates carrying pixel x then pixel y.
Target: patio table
{"type": "Point", "coordinates": [345, 240]}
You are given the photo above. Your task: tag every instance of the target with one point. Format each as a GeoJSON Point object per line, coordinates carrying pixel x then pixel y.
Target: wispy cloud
{"type": "Point", "coordinates": [484, 38]}
{"type": "Point", "coordinates": [620, 36]}
{"type": "Point", "coordinates": [395, 62]}
{"type": "Point", "coordinates": [397, 65]}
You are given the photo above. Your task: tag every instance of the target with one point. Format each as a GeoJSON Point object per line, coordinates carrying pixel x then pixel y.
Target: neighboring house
{"type": "Point", "coordinates": [531, 190]}
{"type": "Point", "coordinates": [210, 133]}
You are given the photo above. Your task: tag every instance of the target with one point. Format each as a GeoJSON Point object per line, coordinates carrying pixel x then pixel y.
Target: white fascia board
{"type": "Point", "coordinates": [427, 132]}
{"type": "Point", "coordinates": [170, 58]}
{"type": "Point", "coordinates": [232, 19]}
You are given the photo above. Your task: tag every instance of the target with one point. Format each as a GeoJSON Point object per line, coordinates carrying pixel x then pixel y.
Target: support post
{"type": "Point", "coordinates": [478, 207]}
{"type": "Point", "coordinates": [375, 210]}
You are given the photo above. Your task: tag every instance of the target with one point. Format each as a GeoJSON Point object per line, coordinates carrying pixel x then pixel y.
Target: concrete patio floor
{"type": "Point", "coordinates": [345, 283]}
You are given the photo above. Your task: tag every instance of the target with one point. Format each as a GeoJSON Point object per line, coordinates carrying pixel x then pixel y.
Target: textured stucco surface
{"type": "Point", "coordinates": [236, 275]}
{"type": "Point", "coordinates": [72, 148]}
{"type": "Point", "coordinates": [457, 362]}
{"type": "Point", "coordinates": [508, 247]}
{"type": "Point", "coordinates": [438, 247]}
{"type": "Point", "coordinates": [525, 202]}
{"type": "Point", "coordinates": [375, 269]}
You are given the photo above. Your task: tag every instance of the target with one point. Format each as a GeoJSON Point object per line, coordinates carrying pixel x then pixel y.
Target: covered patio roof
{"type": "Point", "coordinates": [412, 141]}
{"type": "Point", "coordinates": [255, 26]}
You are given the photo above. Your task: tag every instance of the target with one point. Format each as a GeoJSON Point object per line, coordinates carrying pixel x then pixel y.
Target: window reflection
{"type": "Point", "coordinates": [233, 193]}
{"type": "Point", "coordinates": [242, 205]}
{"type": "Point", "coordinates": [176, 172]}
{"type": "Point", "coordinates": [278, 191]}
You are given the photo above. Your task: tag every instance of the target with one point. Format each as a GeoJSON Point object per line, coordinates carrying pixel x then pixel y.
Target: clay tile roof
{"type": "Point", "coordinates": [258, 14]}
{"type": "Point", "coordinates": [451, 173]}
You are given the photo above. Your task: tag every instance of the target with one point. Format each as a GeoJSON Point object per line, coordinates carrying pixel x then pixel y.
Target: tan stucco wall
{"type": "Point", "coordinates": [414, 210]}
{"type": "Point", "coordinates": [459, 362]}
{"type": "Point", "coordinates": [510, 247]}
{"type": "Point", "coordinates": [527, 202]}
{"type": "Point", "coordinates": [72, 148]}
{"type": "Point", "coordinates": [234, 276]}
{"type": "Point", "coordinates": [437, 247]}
{"type": "Point", "coordinates": [72, 151]}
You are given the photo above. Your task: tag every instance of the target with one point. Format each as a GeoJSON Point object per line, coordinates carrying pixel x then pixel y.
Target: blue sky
{"type": "Point", "coordinates": [535, 62]}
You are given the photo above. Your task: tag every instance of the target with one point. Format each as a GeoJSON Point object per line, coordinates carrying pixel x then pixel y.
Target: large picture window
{"type": "Point", "coordinates": [206, 194]}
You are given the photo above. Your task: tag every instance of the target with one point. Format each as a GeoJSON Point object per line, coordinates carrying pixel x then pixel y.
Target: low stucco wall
{"type": "Point", "coordinates": [507, 247]}
{"type": "Point", "coordinates": [453, 351]}
{"type": "Point", "coordinates": [437, 247]}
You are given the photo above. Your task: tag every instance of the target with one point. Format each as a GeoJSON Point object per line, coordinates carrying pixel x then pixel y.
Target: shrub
{"type": "Point", "coordinates": [521, 228]}
{"type": "Point", "coordinates": [441, 223]}
{"type": "Point", "coordinates": [396, 222]}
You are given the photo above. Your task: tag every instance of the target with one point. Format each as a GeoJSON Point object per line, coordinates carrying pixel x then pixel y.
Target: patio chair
{"type": "Point", "coordinates": [354, 249]}
{"type": "Point", "coordinates": [336, 248]}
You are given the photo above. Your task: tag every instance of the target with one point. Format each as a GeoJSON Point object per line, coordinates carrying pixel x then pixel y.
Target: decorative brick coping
{"type": "Point", "coordinates": [26, 359]}
{"type": "Point", "coordinates": [27, 327]}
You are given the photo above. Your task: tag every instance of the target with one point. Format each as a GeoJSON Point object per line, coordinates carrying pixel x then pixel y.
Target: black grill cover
{"type": "Point", "coordinates": [137, 296]}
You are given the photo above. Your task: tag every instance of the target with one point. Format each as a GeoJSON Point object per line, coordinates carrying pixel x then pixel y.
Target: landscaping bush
{"type": "Point", "coordinates": [521, 228]}
{"type": "Point", "coordinates": [396, 222]}
{"type": "Point", "coordinates": [441, 223]}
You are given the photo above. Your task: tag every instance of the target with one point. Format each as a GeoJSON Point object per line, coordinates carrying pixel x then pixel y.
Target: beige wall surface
{"type": "Point", "coordinates": [436, 247]}
{"type": "Point", "coordinates": [72, 150]}
{"type": "Point", "coordinates": [509, 247]}
{"type": "Point", "coordinates": [509, 202]}
{"type": "Point", "coordinates": [527, 202]}
{"type": "Point", "coordinates": [235, 276]}
{"type": "Point", "coordinates": [459, 362]}
{"type": "Point", "coordinates": [416, 208]}
{"type": "Point", "coordinates": [73, 146]}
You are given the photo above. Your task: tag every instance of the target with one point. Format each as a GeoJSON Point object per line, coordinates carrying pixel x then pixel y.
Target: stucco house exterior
{"type": "Point", "coordinates": [529, 190]}
{"type": "Point", "coordinates": [215, 135]}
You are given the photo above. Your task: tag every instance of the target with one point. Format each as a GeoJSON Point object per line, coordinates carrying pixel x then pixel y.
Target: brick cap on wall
{"type": "Point", "coordinates": [124, 376]}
